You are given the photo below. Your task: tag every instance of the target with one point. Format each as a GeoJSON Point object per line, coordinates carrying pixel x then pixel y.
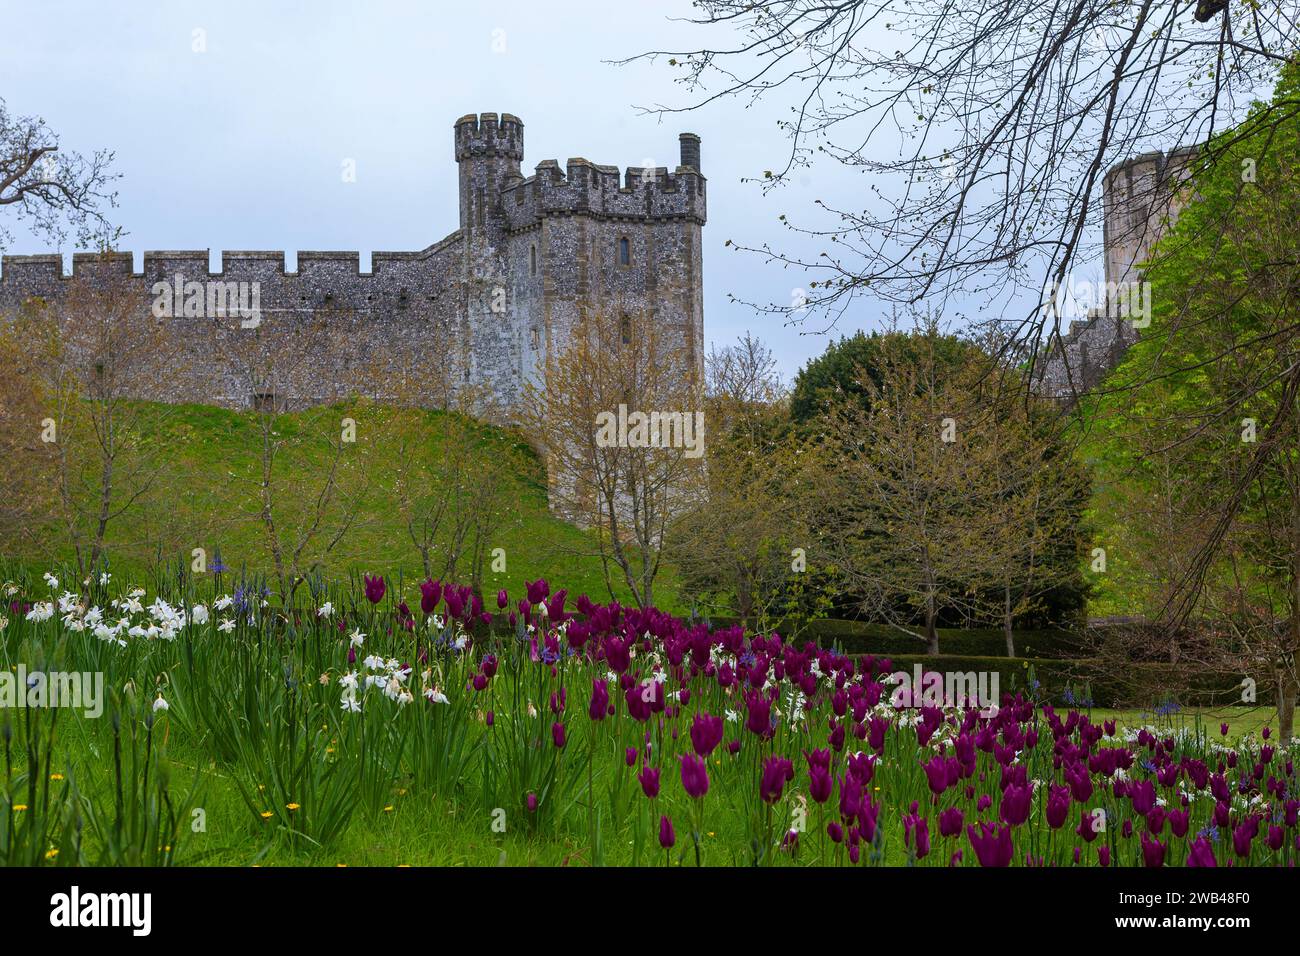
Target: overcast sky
{"type": "Point", "coordinates": [241, 146]}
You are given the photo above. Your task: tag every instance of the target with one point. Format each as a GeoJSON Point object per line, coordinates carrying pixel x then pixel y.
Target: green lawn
{"type": "Point", "coordinates": [205, 495]}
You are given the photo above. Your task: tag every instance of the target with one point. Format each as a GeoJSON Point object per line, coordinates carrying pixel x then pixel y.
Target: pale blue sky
{"type": "Point", "coordinates": [242, 146]}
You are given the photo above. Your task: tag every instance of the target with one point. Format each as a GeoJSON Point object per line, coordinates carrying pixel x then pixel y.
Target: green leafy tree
{"type": "Point", "coordinates": [1197, 433]}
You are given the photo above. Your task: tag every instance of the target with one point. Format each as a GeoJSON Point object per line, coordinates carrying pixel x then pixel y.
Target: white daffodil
{"type": "Point", "coordinates": [436, 696]}
{"type": "Point", "coordinates": [348, 681]}
{"type": "Point", "coordinates": [223, 602]}
{"type": "Point", "coordinates": [41, 611]}
{"type": "Point", "coordinates": [325, 610]}
{"type": "Point", "coordinates": [357, 638]}
{"type": "Point", "coordinates": [350, 703]}
{"type": "Point", "coordinates": [105, 578]}
{"type": "Point", "coordinates": [226, 625]}
{"type": "Point", "coordinates": [51, 580]}
{"type": "Point", "coordinates": [160, 704]}
{"type": "Point", "coordinates": [199, 614]}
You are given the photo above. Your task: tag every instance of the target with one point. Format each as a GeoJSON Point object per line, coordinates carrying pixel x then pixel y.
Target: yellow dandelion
{"type": "Point", "coordinates": [340, 865]}
{"type": "Point", "coordinates": [388, 809]}
{"type": "Point", "coordinates": [51, 854]}
{"type": "Point", "coordinates": [19, 807]}
{"type": "Point", "coordinates": [56, 776]}
{"type": "Point", "coordinates": [292, 806]}
{"type": "Point", "coordinates": [267, 814]}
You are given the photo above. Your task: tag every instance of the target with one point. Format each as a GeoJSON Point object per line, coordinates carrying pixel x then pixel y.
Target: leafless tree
{"type": "Point", "coordinates": [621, 476]}
{"type": "Point", "coordinates": [51, 189]}
{"type": "Point", "coordinates": [984, 130]}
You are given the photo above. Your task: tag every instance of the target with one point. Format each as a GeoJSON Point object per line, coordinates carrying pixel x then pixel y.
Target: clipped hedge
{"type": "Point", "coordinates": [859, 637]}
{"type": "Point", "coordinates": [1132, 688]}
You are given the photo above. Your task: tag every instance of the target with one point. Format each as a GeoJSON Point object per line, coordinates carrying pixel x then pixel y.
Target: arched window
{"type": "Point", "coordinates": [532, 259]}
{"type": "Point", "coordinates": [624, 252]}
{"type": "Point", "coordinates": [625, 328]}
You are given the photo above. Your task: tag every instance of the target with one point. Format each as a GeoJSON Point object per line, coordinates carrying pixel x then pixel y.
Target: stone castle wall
{"type": "Point", "coordinates": [481, 305]}
{"type": "Point", "coordinates": [1141, 199]}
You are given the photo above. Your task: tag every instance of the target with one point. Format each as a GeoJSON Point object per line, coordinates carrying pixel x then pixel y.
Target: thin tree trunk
{"type": "Point", "coordinates": [1006, 621]}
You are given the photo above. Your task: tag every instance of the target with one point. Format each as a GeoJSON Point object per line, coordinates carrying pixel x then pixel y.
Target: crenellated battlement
{"type": "Point", "coordinates": [584, 188]}
{"type": "Point", "coordinates": [484, 303]}
{"type": "Point", "coordinates": [489, 135]}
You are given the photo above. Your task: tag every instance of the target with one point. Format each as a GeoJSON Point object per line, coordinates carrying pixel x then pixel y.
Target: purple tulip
{"type": "Point", "coordinates": [1275, 838]}
{"type": "Point", "coordinates": [1201, 853]}
{"type": "Point", "coordinates": [455, 603]}
{"type": "Point", "coordinates": [374, 588]}
{"type": "Point", "coordinates": [532, 802]}
{"type": "Point", "coordinates": [777, 771]}
{"type": "Point", "coordinates": [936, 774]}
{"type": "Point", "coordinates": [695, 776]}
{"type": "Point", "coordinates": [706, 733]}
{"type": "Point", "coordinates": [992, 844]}
{"type": "Point", "coordinates": [666, 836]}
{"type": "Point", "coordinates": [1153, 852]}
{"type": "Point", "coordinates": [1058, 806]}
{"type": "Point", "coordinates": [1143, 795]}
{"type": "Point", "coordinates": [759, 720]}
{"type": "Point", "coordinates": [1016, 803]}
{"type": "Point", "coordinates": [916, 833]}
{"type": "Point", "coordinates": [502, 599]}
{"type": "Point", "coordinates": [649, 777]}
{"type": "Point", "coordinates": [599, 706]}
{"type": "Point", "coordinates": [950, 822]}
{"type": "Point", "coordinates": [820, 784]}
{"type": "Point", "coordinates": [1243, 834]}
{"type": "Point", "coordinates": [557, 735]}
{"type": "Point", "coordinates": [430, 595]}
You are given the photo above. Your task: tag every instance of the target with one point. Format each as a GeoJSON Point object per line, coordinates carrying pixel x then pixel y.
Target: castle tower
{"type": "Point", "coordinates": [1141, 200]}
{"type": "Point", "coordinates": [489, 150]}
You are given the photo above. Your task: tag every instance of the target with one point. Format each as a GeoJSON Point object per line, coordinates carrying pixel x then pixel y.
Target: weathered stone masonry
{"type": "Point", "coordinates": [1141, 199]}
{"type": "Point", "coordinates": [531, 254]}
